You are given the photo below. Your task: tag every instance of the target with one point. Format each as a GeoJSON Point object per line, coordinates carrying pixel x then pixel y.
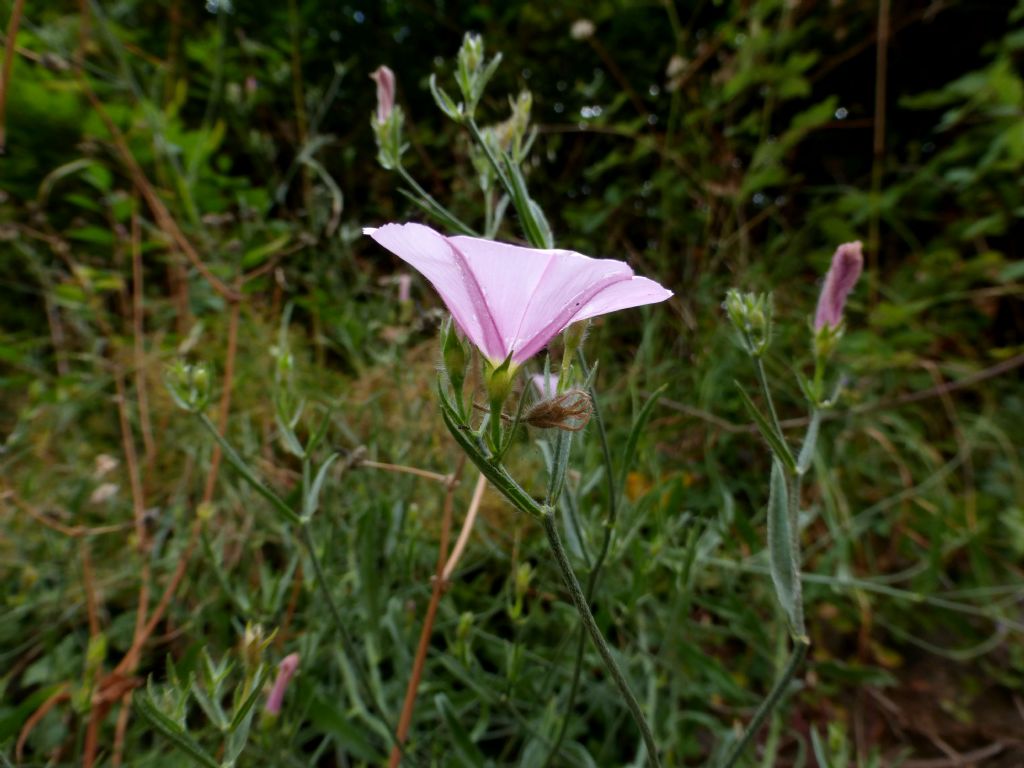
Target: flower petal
{"type": "Point", "coordinates": [532, 293]}
{"type": "Point", "coordinates": [634, 292]}
{"type": "Point", "coordinates": [432, 255]}
{"type": "Point", "coordinates": [509, 299]}
{"type": "Point", "coordinates": [606, 293]}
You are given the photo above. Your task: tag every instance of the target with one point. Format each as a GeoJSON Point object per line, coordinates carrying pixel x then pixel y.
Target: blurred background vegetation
{"type": "Point", "coordinates": [182, 181]}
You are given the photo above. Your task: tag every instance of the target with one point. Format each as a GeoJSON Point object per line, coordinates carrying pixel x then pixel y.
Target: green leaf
{"type": "Point", "coordinates": [773, 438]}
{"type": "Point", "coordinates": [634, 434]}
{"type": "Point", "coordinates": [173, 732]}
{"type": "Point", "coordinates": [256, 256]}
{"type": "Point", "coordinates": [803, 462]}
{"type": "Point", "coordinates": [242, 712]}
{"type": "Point", "coordinates": [558, 466]}
{"type": "Point", "coordinates": [496, 474]}
{"type": "Point", "coordinates": [247, 473]}
{"type": "Point", "coordinates": [311, 502]}
{"type": "Point", "coordinates": [466, 751]}
{"type": "Point", "coordinates": [780, 545]}
{"type": "Point", "coordinates": [349, 736]}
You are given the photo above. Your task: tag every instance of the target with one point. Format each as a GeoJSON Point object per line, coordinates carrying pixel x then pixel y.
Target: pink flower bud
{"type": "Point", "coordinates": [847, 264]}
{"type": "Point", "coordinates": [284, 675]}
{"type": "Point", "coordinates": [546, 386]}
{"type": "Point", "coordinates": [385, 80]}
{"type": "Point", "coordinates": [404, 287]}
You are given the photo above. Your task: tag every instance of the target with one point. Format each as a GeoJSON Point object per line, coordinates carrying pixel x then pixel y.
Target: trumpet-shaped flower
{"type": "Point", "coordinates": [510, 301]}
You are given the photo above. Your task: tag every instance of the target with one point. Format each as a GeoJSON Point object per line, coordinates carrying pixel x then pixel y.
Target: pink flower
{"type": "Point", "coordinates": [385, 80]}
{"type": "Point", "coordinates": [284, 675]}
{"type": "Point", "coordinates": [511, 300]}
{"type": "Point", "coordinates": [546, 386]}
{"type": "Point", "coordinates": [847, 264]}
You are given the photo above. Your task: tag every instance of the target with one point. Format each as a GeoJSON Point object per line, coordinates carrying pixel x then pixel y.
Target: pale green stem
{"type": "Point", "coordinates": [431, 204]}
{"type": "Point", "coordinates": [580, 601]}
{"type": "Point", "coordinates": [609, 527]}
{"type": "Point", "coordinates": [795, 660]}
{"type": "Point", "coordinates": [763, 380]}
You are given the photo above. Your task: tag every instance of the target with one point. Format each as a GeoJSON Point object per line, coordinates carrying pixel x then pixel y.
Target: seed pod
{"type": "Point", "coordinates": [569, 411]}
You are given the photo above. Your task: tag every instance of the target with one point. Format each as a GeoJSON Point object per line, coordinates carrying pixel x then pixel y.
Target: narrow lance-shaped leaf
{"type": "Point", "coordinates": [311, 502]}
{"type": "Point", "coordinates": [247, 473]}
{"type": "Point", "coordinates": [774, 439]}
{"type": "Point", "coordinates": [173, 732]}
{"type": "Point", "coordinates": [803, 462]}
{"type": "Point", "coordinates": [467, 752]}
{"type": "Point", "coordinates": [634, 434]}
{"type": "Point", "coordinates": [559, 466]}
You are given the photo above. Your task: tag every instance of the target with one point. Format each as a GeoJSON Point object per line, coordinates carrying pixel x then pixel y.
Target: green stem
{"type": "Point", "coordinates": [762, 378]}
{"type": "Point", "coordinates": [795, 660]}
{"type": "Point", "coordinates": [430, 204]}
{"type": "Point", "coordinates": [498, 169]}
{"type": "Point", "coordinates": [609, 527]}
{"type": "Point", "coordinates": [580, 601]}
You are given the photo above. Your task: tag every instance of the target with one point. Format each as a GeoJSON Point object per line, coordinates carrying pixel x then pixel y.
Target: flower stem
{"type": "Point", "coordinates": [762, 377]}
{"type": "Point", "coordinates": [430, 204]}
{"type": "Point", "coordinates": [800, 646]}
{"type": "Point", "coordinates": [580, 601]}
{"type": "Point", "coordinates": [595, 571]}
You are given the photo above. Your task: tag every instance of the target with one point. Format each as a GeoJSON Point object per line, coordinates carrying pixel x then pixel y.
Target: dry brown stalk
{"type": "Point", "coordinates": [141, 390]}
{"type": "Point", "coordinates": [8, 65]}
{"type": "Point", "coordinates": [409, 704]}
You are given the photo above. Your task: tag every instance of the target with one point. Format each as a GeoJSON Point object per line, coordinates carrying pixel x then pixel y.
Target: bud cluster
{"type": "Point", "coordinates": [472, 73]}
{"type": "Point", "coordinates": [751, 316]}
{"type": "Point", "coordinates": [189, 385]}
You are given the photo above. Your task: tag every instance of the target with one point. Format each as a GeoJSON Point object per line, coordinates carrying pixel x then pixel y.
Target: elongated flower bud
{"type": "Point", "coordinates": [385, 80]}
{"type": "Point", "coordinates": [847, 264]}
{"type": "Point", "coordinates": [284, 676]}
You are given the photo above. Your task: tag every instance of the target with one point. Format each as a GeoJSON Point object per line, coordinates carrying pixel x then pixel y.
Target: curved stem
{"type": "Point", "coordinates": [801, 645]}
{"type": "Point", "coordinates": [582, 607]}
{"type": "Point", "coordinates": [762, 377]}
{"type": "Point", "coordinates": [609, 527]}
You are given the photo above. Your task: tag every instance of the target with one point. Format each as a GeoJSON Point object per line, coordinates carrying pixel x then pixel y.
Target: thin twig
{"type": "Point", "coordinates": [141, 390]}
{"type": "Point", "coordinates": [401, 468]}
{"type": "Point", "coordinates": [409, 704]}
{"type": "Point", "coordinates": [74, 531]}
{"type": "Point", "coordinates": [939, 390]}
{"type": "Point", "coordinates": [467, 529]}
{"type": "Point", "coordinates": [8, 65]}
{"type": "Point", "coordinates": [878, 145]}
{"type": "Point", "coordinates": [161, 215]}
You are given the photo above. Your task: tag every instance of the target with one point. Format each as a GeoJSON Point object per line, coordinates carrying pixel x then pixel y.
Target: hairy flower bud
{"type": "Point", "coordinates": [842, 276]}
{"type": "Point", "coordinates": [285, 671]}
